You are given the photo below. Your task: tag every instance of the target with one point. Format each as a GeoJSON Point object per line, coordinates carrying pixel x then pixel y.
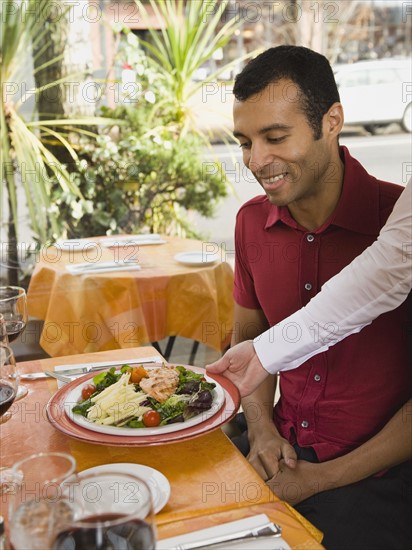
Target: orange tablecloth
{"type": "Point", "coordinates": [94, 312]}
{"type": "Point", "coordinates": [211, 482]}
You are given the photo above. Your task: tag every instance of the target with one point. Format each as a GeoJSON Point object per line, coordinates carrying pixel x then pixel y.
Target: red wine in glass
{"type": "Point", "coordinates": [13, 308]}
{"type": "Point", "coordinates": [8, 382]}
{"type": "Point", "coordinates": [133, 534]}
{"type": "Point", "coordinates": [14, 329]}
{"type": "Point", "coordinates": [7, 396]}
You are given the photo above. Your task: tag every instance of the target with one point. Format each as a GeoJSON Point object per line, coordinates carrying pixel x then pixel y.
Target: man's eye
{"type": "Point", "coordinates": [276, 140]}
{"type": "Point", "coordinates": [244, 145]}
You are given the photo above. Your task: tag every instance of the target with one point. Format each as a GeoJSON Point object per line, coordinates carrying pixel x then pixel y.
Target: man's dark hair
{"type": "Point", "coordinates": [308, 70]}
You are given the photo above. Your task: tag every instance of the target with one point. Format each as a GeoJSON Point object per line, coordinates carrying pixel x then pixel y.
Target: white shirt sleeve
{"type": "Point", "coordinates": [377, 281]}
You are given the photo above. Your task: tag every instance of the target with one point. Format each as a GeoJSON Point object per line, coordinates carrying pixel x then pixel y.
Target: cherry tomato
{"type": "Point", "coordinates": [151, 419]}
{"type": "Point", "coordinates": [137, 374]}
{"type": "Point", "coordinates": [88, 390]}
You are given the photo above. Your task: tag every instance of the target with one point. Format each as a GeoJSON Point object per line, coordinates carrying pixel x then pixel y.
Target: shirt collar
{"type": "Point", "coordinates": [358, 206]}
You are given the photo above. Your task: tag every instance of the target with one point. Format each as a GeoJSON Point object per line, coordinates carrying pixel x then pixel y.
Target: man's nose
{"type": "Point", "coordinates": [260, 156]}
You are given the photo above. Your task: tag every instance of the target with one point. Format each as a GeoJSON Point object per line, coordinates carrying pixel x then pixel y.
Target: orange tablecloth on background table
{"type": "Point", "coordinates": [211, 482]}
{"type": "Point", "coordinates": [95, 312]}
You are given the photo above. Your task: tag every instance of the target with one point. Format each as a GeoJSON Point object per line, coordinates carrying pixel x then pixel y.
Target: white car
{"type": "Point", "coordinates": [376, 93]}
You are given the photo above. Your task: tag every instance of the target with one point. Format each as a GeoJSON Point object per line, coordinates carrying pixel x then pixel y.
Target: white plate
{"type": "Point", "coordinates": [196, 258]}
{"type": "Point", "coordinates": [74, 396]}
{"type": "Point", "coordinates": [159, 484]}
{"type": "Point", "coordinates": [76, 245]}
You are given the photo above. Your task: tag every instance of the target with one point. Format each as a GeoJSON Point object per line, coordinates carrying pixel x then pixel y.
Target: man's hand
{"type": "Point", "coordinates": [299, 483]}
{"type": "Point", "coordinates": [268, 451]}
{"type": "Point", "coordinates": [241, 365]}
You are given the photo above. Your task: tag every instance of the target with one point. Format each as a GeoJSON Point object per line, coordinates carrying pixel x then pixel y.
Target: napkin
{"type": "Point", "coordinates": [131, 240]}
{"type": "Point", "coordinates": [263, 543]}
{"type": "Point", "coordinates": [101, 267]}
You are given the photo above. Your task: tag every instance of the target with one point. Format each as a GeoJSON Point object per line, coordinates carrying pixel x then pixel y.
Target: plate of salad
{"type": "Point", "coordinates": [144, 400]}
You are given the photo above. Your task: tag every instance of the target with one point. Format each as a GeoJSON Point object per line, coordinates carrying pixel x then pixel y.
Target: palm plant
{"type": "Point", "coordinates": [25, 159]}
{"type": "Point", "coordinates": [190, 34]}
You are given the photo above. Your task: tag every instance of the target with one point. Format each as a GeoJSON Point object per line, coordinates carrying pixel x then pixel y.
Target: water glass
{"type": "Point", "coordinates": [38, 502]}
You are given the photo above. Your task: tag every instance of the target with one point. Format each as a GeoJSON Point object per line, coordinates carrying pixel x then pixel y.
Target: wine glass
{"type": "Point", "coordinates": [37, 504]}
{"type": "Point", "coordinates": [8, 381]}
{"type": "Point", "coordinates": [8, 392]}
{"type": "Point", "coordinates": [13, 307]}
{"type": "Point", "coordinates": [111, 510]}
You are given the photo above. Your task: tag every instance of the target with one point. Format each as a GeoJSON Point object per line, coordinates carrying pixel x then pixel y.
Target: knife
{"type": "Point", "coordinates": [84, 369]}
{"type": "Point", "coordinates": [269, 530]}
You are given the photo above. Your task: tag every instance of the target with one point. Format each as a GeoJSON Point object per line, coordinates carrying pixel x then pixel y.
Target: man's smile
{"type": "Point", "coordinates": [272, 183]}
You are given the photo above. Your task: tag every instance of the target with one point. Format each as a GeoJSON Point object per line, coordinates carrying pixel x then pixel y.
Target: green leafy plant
{"type": "Point", "coordinates": [151, 173]}
{"type": "Point", "coordinates": [141, 181]}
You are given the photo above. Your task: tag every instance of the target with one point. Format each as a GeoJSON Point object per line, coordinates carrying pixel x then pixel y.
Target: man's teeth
{"type": "Point", "coordinates": [276, 178]}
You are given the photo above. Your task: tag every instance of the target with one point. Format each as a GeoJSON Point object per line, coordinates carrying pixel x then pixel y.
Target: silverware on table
{"type": "Point", "coordinates": [92, 266]}
{"type": "Point", "coordinates": [269, 530]}
{"type": "Point", "coordinates": [84, 369]}
{"type": "Point", "coordinates": [61, 377]}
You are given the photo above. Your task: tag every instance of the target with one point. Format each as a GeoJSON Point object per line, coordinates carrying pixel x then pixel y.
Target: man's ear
{"type": "Point", "coordinates": [333, 120]}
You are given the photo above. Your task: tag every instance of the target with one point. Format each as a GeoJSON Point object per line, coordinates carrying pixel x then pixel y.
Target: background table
{"type": "Point", "coordinates": [93, 312]}
{"type": "Point", "coordinates": [211, 482]}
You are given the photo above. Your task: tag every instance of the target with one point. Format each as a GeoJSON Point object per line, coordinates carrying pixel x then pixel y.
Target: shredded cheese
{"type": "Point", "coordinates": [117, 402]}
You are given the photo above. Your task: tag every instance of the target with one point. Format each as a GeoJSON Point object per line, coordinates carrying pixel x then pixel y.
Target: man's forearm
{"type": "Point", "coordinates": [391, 446]}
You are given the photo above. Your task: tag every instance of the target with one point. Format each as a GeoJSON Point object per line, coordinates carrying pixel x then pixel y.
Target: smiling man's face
{"type": "Point", "coordinates": [279, 147]}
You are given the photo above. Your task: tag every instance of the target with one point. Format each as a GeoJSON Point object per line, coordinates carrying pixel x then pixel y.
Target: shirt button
{"type": "Point", "coordinates": [316, 378]}
{"type": "Point", "coordinates": [310, 238]}
{"type": "Point", "coordinates": [305, 424]}
{"type": "Point", "coordinates": [308, 286]}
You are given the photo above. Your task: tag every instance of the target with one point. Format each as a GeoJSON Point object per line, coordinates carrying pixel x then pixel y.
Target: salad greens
{"type": "Point", "coordinates": [192, 396]}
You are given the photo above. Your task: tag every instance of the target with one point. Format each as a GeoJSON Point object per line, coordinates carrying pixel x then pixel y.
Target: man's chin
{"type": "Point", "coordinates": [277, 200]}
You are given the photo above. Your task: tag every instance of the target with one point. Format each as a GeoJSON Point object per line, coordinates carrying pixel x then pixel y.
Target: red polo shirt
{"type": "Point", "coordinates": [340, 398]}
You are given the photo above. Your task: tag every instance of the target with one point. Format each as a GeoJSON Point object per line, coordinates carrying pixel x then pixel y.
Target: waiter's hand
{"type": "Point", "coordinates": [241, 365]}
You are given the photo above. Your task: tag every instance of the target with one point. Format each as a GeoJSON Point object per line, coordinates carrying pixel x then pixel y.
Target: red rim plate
{"type": "Point", "coordinates": [59, 419]}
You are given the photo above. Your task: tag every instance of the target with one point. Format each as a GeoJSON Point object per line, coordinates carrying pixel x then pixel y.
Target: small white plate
{"type": "Point", "coordinates": [195, 259]}
{"type": "Point", "coordinates": [159, 484]}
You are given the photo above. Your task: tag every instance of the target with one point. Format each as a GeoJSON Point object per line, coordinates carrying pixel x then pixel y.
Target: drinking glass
{"type": "Point", "coordinates": [112, 510]}
{"type": "Point", "coordinates": [13, 307]}
{"type": "Point", "coordinates": [38, 504]}
{"type": "Point", "coordinates": [8, 381]}
{"type": "Point", "coordinates": [8, 392]}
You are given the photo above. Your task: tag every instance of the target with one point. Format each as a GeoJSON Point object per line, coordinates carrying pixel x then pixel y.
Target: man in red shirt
{"type": "Point", "coordinates": [320, 210]}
